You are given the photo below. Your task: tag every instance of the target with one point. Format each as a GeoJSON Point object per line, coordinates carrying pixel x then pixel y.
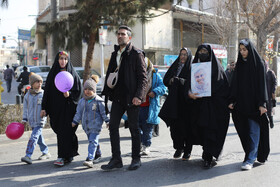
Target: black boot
{"type": "Point", "coordinates": [271, 121]}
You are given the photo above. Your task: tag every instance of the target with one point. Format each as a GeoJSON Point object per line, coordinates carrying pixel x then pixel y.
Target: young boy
{"type": "Point", "coordinates": [31, 113]}
{"type": "Point", "coordinates": [91, 111]}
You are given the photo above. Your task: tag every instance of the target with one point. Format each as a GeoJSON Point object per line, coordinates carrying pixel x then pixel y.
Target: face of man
{"type": "Point", "coordinates": [183, 56]}
{"type": "Point", "coordinates": [232, 66]}
{"type": "Point", "coordinates": [199, 77]}
{"type": "Point", "coordinates": [123, 38]}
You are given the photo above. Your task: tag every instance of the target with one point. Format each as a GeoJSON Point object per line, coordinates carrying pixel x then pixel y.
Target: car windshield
{"type": "Point", "coordinates": [35, 69]}
{"type": "Point", "coordinates": [45, 69]}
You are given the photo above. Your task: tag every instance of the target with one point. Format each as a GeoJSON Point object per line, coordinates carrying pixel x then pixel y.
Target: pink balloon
{"type": "Point", "coordinates": [14, 130]}
{"type": "Point", "coordinates": [64, 81]}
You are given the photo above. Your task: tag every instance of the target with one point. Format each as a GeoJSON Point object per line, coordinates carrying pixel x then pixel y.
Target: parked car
{"type": "Point", "coordinates": [99, 86]}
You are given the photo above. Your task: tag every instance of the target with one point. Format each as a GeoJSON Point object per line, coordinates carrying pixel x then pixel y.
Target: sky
{"type": "Point", "coordinates": [20, 14]}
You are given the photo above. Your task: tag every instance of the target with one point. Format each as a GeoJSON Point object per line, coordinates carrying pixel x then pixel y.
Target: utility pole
{"type": "Point", "coordinates": [54, 17]}
{"type": "Point", "coordinates": [233, 41]}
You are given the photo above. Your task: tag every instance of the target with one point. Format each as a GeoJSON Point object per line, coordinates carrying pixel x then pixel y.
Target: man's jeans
{"type": "Point", "coordinates": [117, 112]}
{"type": "Point", "coordinates": [253, 141]}
{"type": "Point", "coordinates": [146, 128]}
{"type": "Point", "coordinates": [36, 137]}
{"type": "Point", "coordinates": [93, 145]}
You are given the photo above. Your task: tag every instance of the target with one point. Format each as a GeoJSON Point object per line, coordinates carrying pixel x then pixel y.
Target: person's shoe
{"type": "Point", "coordinates": [26, 159]}
{"type": "Point", "coordinates": [178, 153]}
{"type": "Point", "coordinates": [146, 150]}
{"type": "Point", "coordinates": [135, 164]}
{"type": "Point", "coordinates": [59, 162]}
{"type": "Point", "coordinates": [246, 166]}
{"type": "Point", "coordinates": [88, 163]}
{"type": "Point", "coordinates": [186, 156]}
{"type": "Point", "coordinates": [271, 125]}
{"type": "Point", "coordinates": [96, 159]}
{"type": "Point", "coordinates": [44, 156]}
{"type": "Point", "coordinates": [68, 160]}
{"type": "Point", "coordinates": [112, 165]}
{"type": "Point", "coordinates": [207, 164]}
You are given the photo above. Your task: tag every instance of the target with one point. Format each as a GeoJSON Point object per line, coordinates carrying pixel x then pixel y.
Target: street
{"type": "Point", "coordinates": [158, 169]}
{"type": "Point", "coordinates": [9, 98]}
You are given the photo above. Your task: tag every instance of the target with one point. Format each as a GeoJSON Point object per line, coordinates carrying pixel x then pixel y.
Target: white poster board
{"type": "Point", "coordinates": [201, 79]}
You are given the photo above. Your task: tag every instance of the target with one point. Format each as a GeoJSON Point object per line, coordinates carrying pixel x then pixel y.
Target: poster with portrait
{"type": "Point", "coordinates": [201, 79]}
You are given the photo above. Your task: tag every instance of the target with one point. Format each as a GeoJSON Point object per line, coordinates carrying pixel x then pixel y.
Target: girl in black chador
{"type": "Point", "coordinates": [248, 101]}
{"type": "Point", "coordinates": [209, 115]}
{"type": "Point", "coordinates": [61, 108]}
{"type": "Point", "coordinates": [174, 111]}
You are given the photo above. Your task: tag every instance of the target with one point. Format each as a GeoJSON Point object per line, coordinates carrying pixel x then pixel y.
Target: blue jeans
{"type": "Point", "coordinates": [93, 145]}
{"type": "Point", "coordinates": [146, 128]}
{"type": "Point", "coordinates": [36, 137]}
{"type": "Point", "coordinates": [253, 141]}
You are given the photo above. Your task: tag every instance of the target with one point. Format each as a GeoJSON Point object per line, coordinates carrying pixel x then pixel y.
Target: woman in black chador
{"type": "Point", "coordinates": [248, 101]}
{"type": "Point", "coordinates": [61, 108]}
{"type": "Point", "coordinates": [209, 115]}
{"type": "Point", "coordinates": [174, 111]}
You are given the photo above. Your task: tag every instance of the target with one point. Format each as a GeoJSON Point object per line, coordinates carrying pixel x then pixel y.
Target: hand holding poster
{"type": "Point", "coordinates": [201, 79]}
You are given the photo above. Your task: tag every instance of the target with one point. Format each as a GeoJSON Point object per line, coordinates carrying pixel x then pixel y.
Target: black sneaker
{"type": "Point", "coordinates": [209, 164]}
{"type": "Point", "coordinates": [112, 165]}
{"type": "Point", "coordinates": [135, 164]}
{"type": "Point", "coordinates": [186, 156]}
{"type": "Point", "coordinates": [178, 153]}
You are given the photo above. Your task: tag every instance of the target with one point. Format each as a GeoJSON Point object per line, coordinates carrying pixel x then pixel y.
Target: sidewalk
{"type": "Point", "coordinates": [158, 169]}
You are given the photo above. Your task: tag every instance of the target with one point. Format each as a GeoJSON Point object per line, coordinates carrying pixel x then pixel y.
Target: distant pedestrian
{"type": "Point", "coordinates": [8, 77]}
{"type": "Point", "coordinates": [61, 107]}
{"type": "Point", "coordinates": [209, 115]}
{"type": "Point", "coordinates": [229, 71]}
{"type": "Point", "coordinates": [23, 79]}
{"type": "Point", "coordinates": [126, 96]}
{"type": "Point", "coordinates": [148, 115]}
{"type": "Point", "coordinates": [175, 111]}
{"type": "Point", "coordinates": [91, 111]}
{"type": "Point", "coordinates": [248, 99]}
{"type": "Point", "coordinates": [31, 113]}
{"type": "Point", "coordinates": [271, 83]}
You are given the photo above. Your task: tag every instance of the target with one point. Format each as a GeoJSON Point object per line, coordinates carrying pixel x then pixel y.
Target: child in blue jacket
{"type": "Point", "coordinates": [31, 114]}
{"type": "Point", "coordinates": [91, 111]}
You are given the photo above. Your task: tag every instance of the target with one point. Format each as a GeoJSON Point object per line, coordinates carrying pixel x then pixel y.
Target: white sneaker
{"type": "Point", "coordinates": [146, 150]}
{"type": "Point", "coordinates": [246, 166]}
{"type": "Point", "coordinates": [26, 159]}
{"type": "Point", "coordinates": [44, 156]}
{"type": "Point", "coordinates": [88, 163]}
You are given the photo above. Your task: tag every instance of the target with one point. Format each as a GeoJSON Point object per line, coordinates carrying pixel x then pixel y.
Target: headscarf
{"type": "Point", "coordinates": [248, 84]}
{"type": "Point", "coordinates": [217, 72]}
{"type": "Point", "coordinates": [50, 88]}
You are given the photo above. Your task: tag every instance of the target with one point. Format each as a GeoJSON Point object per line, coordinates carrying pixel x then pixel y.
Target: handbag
{"type": "Point", "coordinates": [113, 78]}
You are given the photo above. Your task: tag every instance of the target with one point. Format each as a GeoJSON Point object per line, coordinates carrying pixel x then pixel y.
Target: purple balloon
{"type": "Point", "coordinates": [64, 81]}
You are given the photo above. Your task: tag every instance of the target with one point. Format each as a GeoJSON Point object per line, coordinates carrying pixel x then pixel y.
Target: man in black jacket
{"type": "Point", "coordinates": [23, 79]}
{"type": "Point", "coordinates": [127, 95]}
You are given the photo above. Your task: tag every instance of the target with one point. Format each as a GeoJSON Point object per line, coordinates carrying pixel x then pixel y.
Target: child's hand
{"type": "Point", "coordinates": [73, 124]}
{"type": "Point", "coordinates": [23, 122]}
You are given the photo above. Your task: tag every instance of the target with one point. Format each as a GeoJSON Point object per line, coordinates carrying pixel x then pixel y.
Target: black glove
{"type": "Point", "coordinates": [273, 102]}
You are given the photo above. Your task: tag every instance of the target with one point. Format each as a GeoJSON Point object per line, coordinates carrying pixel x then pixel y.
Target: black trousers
{"type": "Point", "coordinates": [117, 111]}
{"type": "Point", "coordinates": [180, 140]}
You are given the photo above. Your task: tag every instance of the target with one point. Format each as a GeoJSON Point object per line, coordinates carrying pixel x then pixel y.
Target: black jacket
{"type": "Point", "coordinates": [24, 78]}
{"type": "Point", "coordinates": [132, 79]}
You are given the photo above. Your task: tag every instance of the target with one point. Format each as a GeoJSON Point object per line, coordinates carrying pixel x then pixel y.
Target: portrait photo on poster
{"type": "Point", "coordinates": [201, 79]}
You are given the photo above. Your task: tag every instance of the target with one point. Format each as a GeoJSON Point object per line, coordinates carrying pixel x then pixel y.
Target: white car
{"type": "Point", "coordinates": [43, 71]}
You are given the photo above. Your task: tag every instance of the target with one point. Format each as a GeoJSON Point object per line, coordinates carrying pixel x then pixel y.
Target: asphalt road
{"type": "Point", "coordinates": [158, 169]}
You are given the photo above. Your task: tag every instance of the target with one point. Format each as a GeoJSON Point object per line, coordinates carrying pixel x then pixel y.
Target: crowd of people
{"type": "Point", "coordinates": [246, 89]}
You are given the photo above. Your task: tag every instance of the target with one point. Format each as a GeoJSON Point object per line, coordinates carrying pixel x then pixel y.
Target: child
{"type": "Point", "coordinates": [91, 111]}
{"type": "Point", "coordinates": [31, 113]}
